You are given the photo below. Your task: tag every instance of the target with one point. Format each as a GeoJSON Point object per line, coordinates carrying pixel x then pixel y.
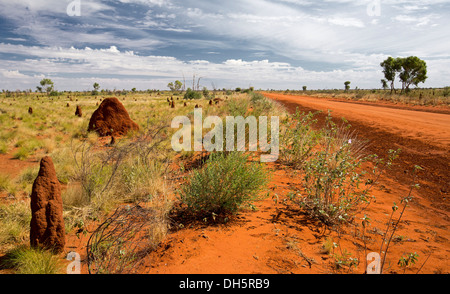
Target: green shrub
{"type": "Point", "coordinates": [28, 176]}
{"type": "Point", "coordinates": [333, 179]}
{"type": "Point", "coordinates": [226, 184]}
{"type": "Point", "coordinates": [446, 92]}
{"type": "Point", "coordinates": [191, 94]}
{"type": "Point", "coordinates": [206, 93]}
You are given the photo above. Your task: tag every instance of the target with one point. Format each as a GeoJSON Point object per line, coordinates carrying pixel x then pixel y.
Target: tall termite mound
{"type": "Point", "coordinates": [47, 222]}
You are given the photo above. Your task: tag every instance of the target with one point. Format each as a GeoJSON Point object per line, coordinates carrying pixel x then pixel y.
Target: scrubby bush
{"type": "Point", "coordinates": [446, 92]}
{"type": "Point", "coordinates": [298, 139]}
{"type": "Point", "coordinates": [191, 94]}
{"type": "Point", "coordinates": [122, 242]}
{"type": "Point", "coordinates": [226, 184]}
{"type": "Point", "coordinates": [206, 93]}
{"type": "Point", "coordinates": [261, 105]}
{"type": "Point", "coordinates": [334, 185]}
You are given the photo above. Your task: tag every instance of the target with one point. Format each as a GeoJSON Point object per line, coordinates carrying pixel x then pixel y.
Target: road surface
{"type": "Point", "coordinates": [423, 136]}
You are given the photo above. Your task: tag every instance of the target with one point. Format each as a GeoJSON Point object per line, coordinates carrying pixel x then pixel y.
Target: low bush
{"type": "Point", "coordinates": [226, 184]}
{"type": "Point", "coordinates": [191, 94]}
{"type": "Point", "coordinates": [446, 92]}
{"type": "Point", "coordinates": [122, 242]}
{"type": "Point", "coordinates": [334, 184]}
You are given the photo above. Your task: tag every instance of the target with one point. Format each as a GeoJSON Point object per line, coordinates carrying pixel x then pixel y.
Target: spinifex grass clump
{"type": "Point", "coordinates": [32, 261]}
{"type": "Point", "coordinates": [226, 184]}
{"type": "Point", "coordinates": [15, 223]}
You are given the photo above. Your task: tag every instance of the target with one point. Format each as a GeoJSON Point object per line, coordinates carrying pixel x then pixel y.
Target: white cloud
{"type": "Point", "coordinates": [346, 22]}
{"type": "Point", "coordinates": [146, 72]}
{"type": "Point", "coordinates": [16, 39]}
{"type": "Point", "coordinates": [150, 3]}
{"type": "Point", "coordinates": [418, 21]}
{"type": "Point", "coordinates": [12, 74]}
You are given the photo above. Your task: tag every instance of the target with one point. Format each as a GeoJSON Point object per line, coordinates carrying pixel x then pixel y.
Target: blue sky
{"type": "Point", "coordinates": [279, 44]}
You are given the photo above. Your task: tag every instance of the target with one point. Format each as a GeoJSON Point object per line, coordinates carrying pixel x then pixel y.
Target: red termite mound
{"type": "Point", "coordinates": [78, 111]}
{"type": "Point", "coordinates": [47, 223]}
{"type": "Point", "coordinates": [111, 119]}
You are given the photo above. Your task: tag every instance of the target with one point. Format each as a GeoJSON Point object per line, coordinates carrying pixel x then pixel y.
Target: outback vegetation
{"type": "Point", "coordinates": [126, 198]}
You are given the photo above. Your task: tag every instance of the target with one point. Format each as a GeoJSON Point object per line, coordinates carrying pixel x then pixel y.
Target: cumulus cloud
{"type": "Point", "coordinates": [12, 74]}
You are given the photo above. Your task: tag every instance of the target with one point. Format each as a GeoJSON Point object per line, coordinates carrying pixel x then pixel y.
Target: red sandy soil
{"type": "Point", "coordinates": [13, 167]}
{"type": "Point", "coordinates": [278, 238]}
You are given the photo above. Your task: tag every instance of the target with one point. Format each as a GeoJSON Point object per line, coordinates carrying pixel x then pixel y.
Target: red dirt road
{"type": "Point", "coordinates": [432, 128]}
{"type": "Point", "coordinates": [422, 134]}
